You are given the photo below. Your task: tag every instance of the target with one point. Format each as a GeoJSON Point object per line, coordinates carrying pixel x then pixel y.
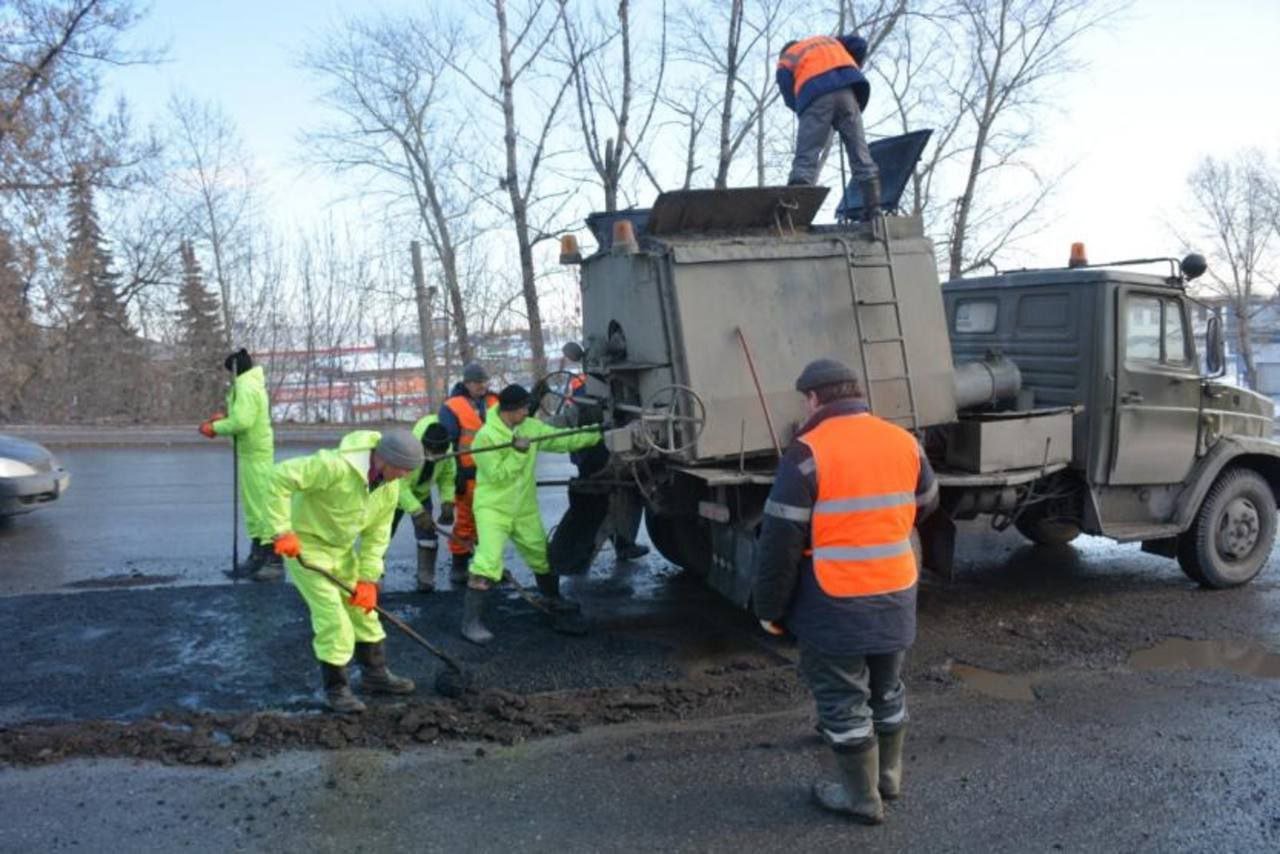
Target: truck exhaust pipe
{"type": "Point", "coordinates": [987, 382]}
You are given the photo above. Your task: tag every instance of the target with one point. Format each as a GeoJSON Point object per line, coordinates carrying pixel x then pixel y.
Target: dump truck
{"type": "Point", "coordinates": [1056, 401]}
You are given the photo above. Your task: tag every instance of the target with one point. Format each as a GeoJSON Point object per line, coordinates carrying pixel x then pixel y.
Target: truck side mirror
{"type": "Point", "coordinates": [1215, 356]}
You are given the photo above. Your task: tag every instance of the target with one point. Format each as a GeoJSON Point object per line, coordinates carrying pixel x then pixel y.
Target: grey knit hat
{"type": "Point", "coordinates": [822, 372]}
{"type": "Point", "coordinates": [400, 448]}
{"type": "Point", "coordinates": [474, 372]}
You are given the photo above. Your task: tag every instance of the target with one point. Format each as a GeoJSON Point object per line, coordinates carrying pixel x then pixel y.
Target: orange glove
{"type": "Point", "coordinates": [366, 596]}
{"type": "Point", "coordinates": [206, 429]}
{"type": "Point", "coordinates": [288, 545]}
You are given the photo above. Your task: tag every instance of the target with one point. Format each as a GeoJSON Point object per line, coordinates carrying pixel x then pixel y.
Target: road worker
{"type": "Point", "coordinates": [333, 509]}
{"type": "Point", "coordinates": [462, 416]}
{"type": "Point", "coordinates": [821, 80]}
{"type": "Point", "coordinates": [248, 421]}
{"type": "Point", "coordinates": [415, 497]}
{"type": "Point", "coordinates": [836, 568]}
{"type": "Point", "coordinates": [506, 503]}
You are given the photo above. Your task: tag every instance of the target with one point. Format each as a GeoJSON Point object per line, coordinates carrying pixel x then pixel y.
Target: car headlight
{"type": "Point", "coordinates": [15, 468]}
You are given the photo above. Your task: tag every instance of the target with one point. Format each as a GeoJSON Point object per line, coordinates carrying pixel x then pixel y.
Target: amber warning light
{"type": "Point", "coordinates": [1078, 258]}
{"type": "Point", "coordinates": [569, 253]}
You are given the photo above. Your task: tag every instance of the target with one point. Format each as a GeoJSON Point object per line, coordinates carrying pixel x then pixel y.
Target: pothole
{"type": "Point", "coordinates": [1247, 658]}
{"type": "Point", "coordinates": [1001, 686]}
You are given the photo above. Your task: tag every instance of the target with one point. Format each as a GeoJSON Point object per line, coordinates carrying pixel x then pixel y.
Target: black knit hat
{"type": "Point", "coordinates": [435, 439]}
{"type": "Point", "coordinates": [513, 397]}
{"type": "Point", "coordinates": [822, 372]}
{"type": "Point", "coordinates": [238, 361]}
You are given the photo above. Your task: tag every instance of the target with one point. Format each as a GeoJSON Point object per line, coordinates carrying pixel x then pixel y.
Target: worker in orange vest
{"type": "Point", "coordinates": [836, 568]}
{"type": "Point", "coordinates": [821, 80]}
{"type": "Point", "coordinates": [462, 416]}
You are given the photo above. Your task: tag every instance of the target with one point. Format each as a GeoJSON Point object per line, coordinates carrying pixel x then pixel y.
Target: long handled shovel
{"type": "Point", "coordinates": [451, 682]}
{"type": "Point", "coordinates": [235, 505]}
{"type": "Point", "coordinates": [564, 623]}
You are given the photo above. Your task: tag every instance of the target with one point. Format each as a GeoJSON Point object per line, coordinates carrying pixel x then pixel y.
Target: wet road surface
{"type": "Point", "coordinates": [1085, 698]}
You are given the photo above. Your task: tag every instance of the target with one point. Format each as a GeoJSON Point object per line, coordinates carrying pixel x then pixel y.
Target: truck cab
{"type": "Point", "coordinates": [1161, 452]}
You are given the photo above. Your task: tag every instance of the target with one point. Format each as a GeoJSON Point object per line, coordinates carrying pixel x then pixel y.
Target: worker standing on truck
{"type": "Point", "coordinates": [506, 504]}
{"type": "Point", "coordinates": [321, 506]}
{"type": "Point", "coordinates": [462, 416]}
{"type": "Point", "coordinates": [415, 497]}
{"type": "Point", "coordinates": [821, 80]}
{"type": "Point", "coordinates": [248, 421]}
{"type": "Point", "coordinates": [836, 568]}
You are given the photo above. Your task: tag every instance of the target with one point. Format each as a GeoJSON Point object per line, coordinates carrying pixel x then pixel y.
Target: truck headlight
{"type": "Point", "coordinates": [15, 468]}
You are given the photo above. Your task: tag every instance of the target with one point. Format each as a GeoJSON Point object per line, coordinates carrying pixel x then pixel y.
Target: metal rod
{"type": "Point", "coordinates": [504, 445]}
{"type": "Point", "coordinates": [235, 502]}
{"type": "Point", "coordinates": [391, 618]}
{"type": "Point", "coordinates": [764, 404]}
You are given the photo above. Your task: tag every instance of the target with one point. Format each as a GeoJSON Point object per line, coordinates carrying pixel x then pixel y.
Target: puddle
{"type": "Point", "coordinates": [1244, 657]}
{"type": "Point", "coordinates": [132, 580]}
{"type": "Point", "coordinates": [1001, 686]}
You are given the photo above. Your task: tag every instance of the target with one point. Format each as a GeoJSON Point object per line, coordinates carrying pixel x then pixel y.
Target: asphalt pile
{"type": "Point", "coordinates": [484, 715]}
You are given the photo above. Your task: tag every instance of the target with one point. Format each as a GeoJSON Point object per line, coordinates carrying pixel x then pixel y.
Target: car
{"type": "Point", "coordinates": [30, 476]}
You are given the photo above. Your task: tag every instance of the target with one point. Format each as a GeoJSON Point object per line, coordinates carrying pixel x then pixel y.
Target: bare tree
{"type": "Point", "coordinates": [395, 121]}
{"type": "Point", "coordinates": [1235, 206]}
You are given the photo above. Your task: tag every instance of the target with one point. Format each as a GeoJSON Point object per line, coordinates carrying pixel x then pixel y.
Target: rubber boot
{"type": "Point", "coordinates": [629, 551]}
{"type": "Point", "coordinates": [858, 796]}
{"type": "Point", "coordinates": [427, 568]}
{"type": "Point", "coordinates": [272, 568]}
{"type": "Point", "coordinates": [337, 690]}
{"type": "Point", "coordinates": [375, 676]}
{"type": "Point", "coordinates": [870, 199]}
{"type": "Point", "coordinates": [458, 570]}
{"type": "Point", "coordinates": [473, 628]}
{"type": "Point", "coordinates": [549, 594]}
{"type": "Point", "coordinates": [252, 563]}
{"type": "Point", "coordinates": [890, 744]}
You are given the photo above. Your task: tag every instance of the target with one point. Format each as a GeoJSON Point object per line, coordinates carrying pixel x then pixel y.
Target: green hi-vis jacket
{"type": "Point", "coordinates": [506, 480]}
{"type": "Point", "coordinates": [414, 488]}
{"type": "Point", "coordinates": [248, 415]}
{"type": "Point", "coordinates": [325, 499]}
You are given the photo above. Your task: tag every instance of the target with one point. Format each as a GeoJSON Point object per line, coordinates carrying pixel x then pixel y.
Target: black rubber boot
{"type": "Point", "coordinates": [891, 763]}
{"type": "Point", "coordinates": [858, 796]}
{"type": "Point", "coordinates": [549, 594]}
{"type": "Point", "coordinates": [337, 690]}
{"type": "Point", "coordinates": [458, 570]}
{"type": "Point", "coordinates": [375, 676]}
{"type": "Point", "coordinates": [252, 563]}
{"type": "Point", "coordinates": [427, 569]}
{"type": "Point", "coordinates": [870, 199]}
{"type": "Point", "coordinates": [272, 568]}
{"type": "Point", "coordinates": [473, 628]}
{"type": "Point", "coordinates": [629, 551]}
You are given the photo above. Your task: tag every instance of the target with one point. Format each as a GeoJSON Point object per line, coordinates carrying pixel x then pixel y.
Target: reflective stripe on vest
{"type": "Point", "coordinates": [813, 56]}
{"type": "Point", "coordinates": [469, 423]}
{"type": "Point", "coordinates": [867, 470]}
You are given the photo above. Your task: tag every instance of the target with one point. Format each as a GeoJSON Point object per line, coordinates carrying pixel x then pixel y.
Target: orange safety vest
{"type": "Point", "coordinates": [867, 471]}
{"type": "Point", "coordinates": [808, 58]}
{"type": "Point", "coordinates": [469, 423]}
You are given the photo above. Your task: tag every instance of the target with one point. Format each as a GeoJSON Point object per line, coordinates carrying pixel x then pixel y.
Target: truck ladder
{"type": "Point", "coordinates": [880, 229]}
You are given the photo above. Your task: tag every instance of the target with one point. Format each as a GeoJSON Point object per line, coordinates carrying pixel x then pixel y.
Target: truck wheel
{"type": "Point", "coordinates": [683, 540]}
{"type": "Point", "coordinates": [1044, 531]}
{"type": "Point", "coordinates": [1231, 538]}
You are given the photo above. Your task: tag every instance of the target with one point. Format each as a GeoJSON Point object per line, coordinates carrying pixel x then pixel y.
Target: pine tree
{"type": "Point", "coordinates": [105, 355]}
{"type": "Point", "coordinates": [17, 339]}
{"type": "Point", "coordinates": [200, 339]}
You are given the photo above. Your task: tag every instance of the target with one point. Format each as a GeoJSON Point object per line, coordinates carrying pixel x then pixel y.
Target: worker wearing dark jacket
{"type": "Point", "coordinates": [462, 416]}
{"type": "Point", "coordinates": [821, 80]}
{"type": "Point", "coordinates": [836, 568]}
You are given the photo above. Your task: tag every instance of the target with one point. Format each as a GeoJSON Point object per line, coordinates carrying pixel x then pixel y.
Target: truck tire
{"type": "Point", "coordinates": [1034, 525]}
{"type": "Point", "coordinates": [683, 540]}
{"type": "Point", "coordinates": [1231, 538]}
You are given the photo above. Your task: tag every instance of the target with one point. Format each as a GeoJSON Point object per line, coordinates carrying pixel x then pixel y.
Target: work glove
{"type": "Point", "coordinates": [365, 596]}
{"type": "Point", "coordinates": [206, 428]}
{"type": "Point", "coordinates": [773, 628]}
{"type": "Point", "coordinates": [422, 521]}
{"type": "Point", "coordinates": [521, 444]}
{"type": "Point", "coordinates": [288, 545]}
{"type": "Point", "coordinates": [446, 513]}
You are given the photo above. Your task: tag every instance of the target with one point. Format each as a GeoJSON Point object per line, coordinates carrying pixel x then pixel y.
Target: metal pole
{"type": "Point", "coordinates": [235, 503]}
{"type": "Point", "coordinates": [764, 404]}
{"type": "Point", "coordinates": [534, 439]}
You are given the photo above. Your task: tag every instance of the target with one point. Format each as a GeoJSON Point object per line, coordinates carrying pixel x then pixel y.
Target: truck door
{"type": "Point", "coordinates": [1157, 391]}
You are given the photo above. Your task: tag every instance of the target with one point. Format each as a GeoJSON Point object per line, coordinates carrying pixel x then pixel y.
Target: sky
{"type": "Point", "coordinates": [1168, 83]}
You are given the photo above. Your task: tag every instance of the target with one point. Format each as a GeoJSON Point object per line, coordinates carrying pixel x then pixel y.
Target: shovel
{"type": "Point", "coordinates": [563, 623]}
{"type": "Point", "coordinates": [451, 682]}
